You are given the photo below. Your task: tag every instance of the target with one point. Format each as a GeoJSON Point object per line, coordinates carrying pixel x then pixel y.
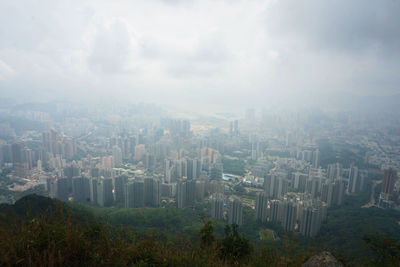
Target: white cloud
{"type": "Point", "coordinates": [5, 71]}
{"type": "Point", "coordinates": [223, 51]}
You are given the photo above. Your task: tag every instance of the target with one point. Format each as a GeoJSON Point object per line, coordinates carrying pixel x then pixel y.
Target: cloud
{"type": "Point", "coordinates": [5, 71]}
{"type": "Point", "coordinates": [112, 48]}
{"type": "Point", "coordinates": [238, 52]}
{"type": "Point", "coordinates": [349, 26]}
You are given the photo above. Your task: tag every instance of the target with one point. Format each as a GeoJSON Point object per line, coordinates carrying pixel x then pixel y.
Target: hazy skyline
{"type": "Point", "coordinates": [171, 51]}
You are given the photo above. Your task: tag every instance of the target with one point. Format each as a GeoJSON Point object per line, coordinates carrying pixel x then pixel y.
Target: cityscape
{"type": "Point", "coordinates": [141, 158]}
{"type": "Point", "coordinates": [200, 133]}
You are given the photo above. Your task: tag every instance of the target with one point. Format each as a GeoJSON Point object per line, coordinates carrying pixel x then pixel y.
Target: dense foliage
{"type": "Point", "coordinates": [234, 165]}
{"type": "Point", "coordinates": [40, 231]}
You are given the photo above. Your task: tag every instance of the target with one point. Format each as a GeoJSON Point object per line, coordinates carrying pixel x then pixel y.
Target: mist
{"type": "Point", "coordinates": [199, 54]}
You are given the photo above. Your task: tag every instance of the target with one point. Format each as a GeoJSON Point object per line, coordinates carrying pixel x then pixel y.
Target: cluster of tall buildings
{"type": "Point", "coordinates": [387, 195]}
{"type": "Point", "coordinates": [234, 128]}
{"type": "Point", "coordinates": [189, 191]}
{"type": "Point", "coordinates": [295, 212]}
{"type": "Point", "coordinates": [230, 210]}
{"type": "Point", "coordinates": [53, 152]}
{"type": "Point", "coordinates": [313, 157]}
{"type": "Point", "coordinates": [298, 200]}
{"type": "Point", "coordinates": [178, 128]}
{"type": "Point", "coordinates": [107, 191]}
{"type": "Point", "coordinates": [207, 162]}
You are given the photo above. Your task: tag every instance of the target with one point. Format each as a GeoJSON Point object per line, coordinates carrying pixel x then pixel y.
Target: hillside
{"type": "Point", "coordinates": [38, 230]}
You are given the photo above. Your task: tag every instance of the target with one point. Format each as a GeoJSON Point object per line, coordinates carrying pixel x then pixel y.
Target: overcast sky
{"type": "Point", "coordinates": [199, 51]}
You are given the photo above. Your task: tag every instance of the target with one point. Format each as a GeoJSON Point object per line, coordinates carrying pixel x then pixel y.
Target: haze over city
{"type": "Point", "coordinates": [200, 133]}
{"type": "Point", "coordinates": [223, 53]}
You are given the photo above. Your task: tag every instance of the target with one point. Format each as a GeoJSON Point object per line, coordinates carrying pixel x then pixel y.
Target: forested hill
{"type": "Point", "coordinates": [38, 231]}
{"type": "Point", "coordinates": [30, 206]}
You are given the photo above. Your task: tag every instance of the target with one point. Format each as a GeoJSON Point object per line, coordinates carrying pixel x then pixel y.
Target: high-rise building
{"type": "Point", "coordinates": [71, 171]}
{"type": "Point", "coordinates": [81, 189]}
{"type": "Point", "coordinates": [187, 192]}
{"type": "Point", "coordinates": [140, 151]}
{"type": "Point", "coordinates": [289, 210]}
{"type": "Point", "coordinates": [269, 185]}
{"type": "Point", "coordinates": [152, 192]}
{"type": "Point", "coordinates": [275, 211]}
{"type": "Point", "coordinates": [311, 219]}
{"type": "Point", "coordinates": [261, 206]}
{"type": "Point", "coordinates": [217, 206]}
{"type": "Point", "coordinates": [339, 192]}
{"type": "Point", "coordinates": [190, 192]}
{"type": "Point", "coordinates": [236, 212]}
{"type": "Point", "coordinates": [62, 189]}
{"type": "Point", "coordinates": [181, 194]}
{"type": "Point", "coordinates": [216, 171]}
{"type": "Point", "coordinates": [17, 152]}
{"type": "Point", "coordinates": [119, 188]}
{"type": "Point", "coordinates": [275, 186]}
{"type": "Point", "coordinates": [93, 190]}
{"type": "Point", "coordinates": [168, 169]}
{"type": "Point", "coordinates": [354, 185]}
{"type": "Point", "coordinates": [314, 186]}
{"type": "Point", "coordinates": [390, 177]}
{"type": "Point", "coordinates": [300, 180]}
{"type": "Point", "coordinates": [333, 192]}
{"type": "Point", "coordinates": [334, 171]}
{"type": "Point", "coordinates": [200, 190]}
{"type": "Point", "coordinates": [315, 159]}
{"type": "Point", "coordinates": [167, 190]}
{"type": "Point", "coordinates": [105, 197]}
{"type": "Point", "coordinates": [234, 128]}
{"type": "Point", "coordinates": [117, 156]}
{"type": "Point", "coordinates": [134, 194]}
{"type": "Point", "coordinates": [51, 187]}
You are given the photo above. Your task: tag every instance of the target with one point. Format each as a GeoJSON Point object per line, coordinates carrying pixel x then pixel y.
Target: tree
{"type": "Point", "coordinates": [386, 248]}
{"type": "Point", "coordinates": [206, 234]}
{"type": "Point", "coordinates": [234, 247]}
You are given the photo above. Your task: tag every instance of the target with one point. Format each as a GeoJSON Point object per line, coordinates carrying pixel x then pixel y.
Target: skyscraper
{"type": "Point", "coordinates": [152, 192]}
{"type": "Point", "coordinates": [181, 194]}
{"type": "Point", "coordinates": [354, 185]}
{"type": "Point", "coordinates": [311, 218]}
{"type": "Point", "coordinates": [334, 171]}
{"type": "Point", "coordinates": [390, 177]}
{"type": "Point", "coordinates": [275, 211]}
{"type": "Point", "coordinates": [134, 194]}
{"type": "Point", "coordinates": [62, 189]}
{"type": "Point", "coordinates": [117, 156]}
{"type": "Point", "coordinates": [119, 188]}
{"type": "Point", "coordinates": [315, 159]}
{"type": "Point", "coordinates": [93, 190]}
{"type": "Point", "coordinates": [261, 206]}
{"type": "Point", "coordinates": [105, 196]}
{"type": "Point", "coordinates": [81, 189]}
{"type": "Point", "coordinates": [289, 210]}
{"type": "Point", "coordinates": [269, 185]}
{"type": "Point", "coordinates": [236, 212]}
{"type": "Point", "coordinates": [217, 206]}
{"type": "Point", "coordinates": [190, 192]}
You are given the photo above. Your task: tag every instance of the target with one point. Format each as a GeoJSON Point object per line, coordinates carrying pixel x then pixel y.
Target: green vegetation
{"type": "Point", "coordinates": [375, 174]}
{"type": "Point", "coordinates": [21, 125]}
{"type": "Point", "coordinates": [73, 234]}
{"type": "Point", "coordinates": [346, 226]}
{"type": "Point", "coordinates": [341, 153]}
{"type": "Point", "coordinates": [234, 165]}
{"type": "Point", "coordinates": [50, 233]}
